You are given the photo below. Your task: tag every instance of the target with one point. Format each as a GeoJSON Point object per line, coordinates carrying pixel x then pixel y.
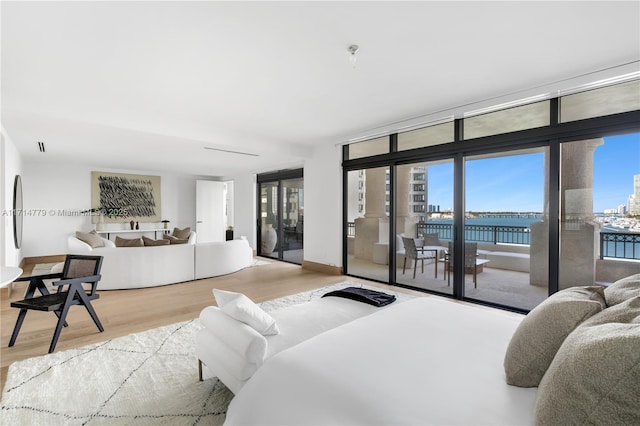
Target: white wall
{"type": "Point", "coordinates": [50, 188]}
{"type": "Point", "coordinates": [323, 206]}
{"type": "Point", "coordinates": [244, 210]}
{"type": "Point", "coordinates": [11, 165]}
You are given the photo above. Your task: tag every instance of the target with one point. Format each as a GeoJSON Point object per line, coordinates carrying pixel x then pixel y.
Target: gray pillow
{"type": "Point", "coordinates": [174, 240]}
{"type": "Point", "coordinates": [128, 242]}
{"type": "Point", "coordinates": [540, 334]}
{"type": "Point", "coordinates": [595, 376]}
{"type": "Point", "coordinates": [622, 290]}
{"type": "Point", "coordinates": [91, 238]}
{"type": "Point", "coordinates": [150, 242]}
{"type": "Point", "coordinates": [182, 234]}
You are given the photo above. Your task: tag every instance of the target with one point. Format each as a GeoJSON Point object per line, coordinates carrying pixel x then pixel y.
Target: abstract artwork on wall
{"type": "Point", "coordinates": [124, 197]}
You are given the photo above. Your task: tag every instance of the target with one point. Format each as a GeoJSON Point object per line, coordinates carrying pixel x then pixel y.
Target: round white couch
{"type": "Point", "coordinates": [150, 266]}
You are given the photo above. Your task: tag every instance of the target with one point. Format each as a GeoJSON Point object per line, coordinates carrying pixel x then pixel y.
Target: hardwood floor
{"type": "Point", "coordinates": [124, 312]}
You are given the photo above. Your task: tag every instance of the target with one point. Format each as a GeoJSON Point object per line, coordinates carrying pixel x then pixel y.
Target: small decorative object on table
{"type": "Point", "coordinates": [166, 224]}
{"type": "Point", "coordinates": [229, 233]}
{"type": "Point", "coordinates": [131, 224]}
{"type": "Point", "coordinates": [137, 225]}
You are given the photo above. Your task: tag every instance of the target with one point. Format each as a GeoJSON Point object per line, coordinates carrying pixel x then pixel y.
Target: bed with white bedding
{"type": "Point", "coordinates": [233, 351]}
{"type": "Point", "coordinates": [424, 361]}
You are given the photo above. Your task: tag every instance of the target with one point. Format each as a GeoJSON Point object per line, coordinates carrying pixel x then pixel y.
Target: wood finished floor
{"type": "Point", "coordinates": [124, 312]}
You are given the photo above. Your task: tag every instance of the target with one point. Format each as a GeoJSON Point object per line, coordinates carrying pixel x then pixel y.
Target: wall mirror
{"type": "Point", "coordinates": [17, 211]}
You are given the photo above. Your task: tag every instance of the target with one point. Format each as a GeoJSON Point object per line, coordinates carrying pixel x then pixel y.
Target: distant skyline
{"type": "Point", "coordinates": [516, 182]}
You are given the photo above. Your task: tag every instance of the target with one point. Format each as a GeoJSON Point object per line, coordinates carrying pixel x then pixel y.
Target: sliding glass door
{"type": "Point", "coordinates": [281, 215]}
{"type": "Point", "coordinates": [506, 228]}
{"type": "Point", "coordinates": [599, 210]}
{"type": "Point", "coordinates": [424, 224]}
{"type": "Point", "coordinates": [368, 223]}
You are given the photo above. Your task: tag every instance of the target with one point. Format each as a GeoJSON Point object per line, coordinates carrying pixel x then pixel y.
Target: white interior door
{"type": "Point", "coordinates": [210, 211]}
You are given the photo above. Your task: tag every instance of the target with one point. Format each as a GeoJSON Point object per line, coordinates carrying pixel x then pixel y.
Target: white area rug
{"type": "Point", "coordinates": [257, 262]}
{"type": "Point", "coordinates": [148, 378]}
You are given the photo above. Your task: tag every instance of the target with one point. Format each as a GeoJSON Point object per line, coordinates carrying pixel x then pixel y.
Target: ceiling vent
{"type": "Point", "coordinates": [231, 152]}
{"type": "Point", "coordinates": [41, 146]}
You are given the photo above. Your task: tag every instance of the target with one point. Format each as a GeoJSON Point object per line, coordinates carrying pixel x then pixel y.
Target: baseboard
{"type": "Point", "coordinates": [321, 267]}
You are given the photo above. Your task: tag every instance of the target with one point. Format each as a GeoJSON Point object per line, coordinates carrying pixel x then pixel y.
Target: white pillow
{"type": "Point", "coordinates": [241, 308]}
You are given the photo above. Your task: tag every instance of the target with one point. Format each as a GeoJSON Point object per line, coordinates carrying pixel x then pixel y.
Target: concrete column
{"type": "Point", "coordinates": [373, 229]}
{"type": "Point", "coordinates": [579, 234]}
{"type": "Point", "coordinates": [579, 242]}
{"type": "Point", "coordinates": [539, 239]}
{"type": "Point", "coordinates": [375, 189]}
{"type": "Point", "coordinates": [403, 178]}
{"type": "Point", "coordinates": [405, 223]}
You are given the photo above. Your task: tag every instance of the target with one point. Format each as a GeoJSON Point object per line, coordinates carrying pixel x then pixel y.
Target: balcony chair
{"type": "Point", "coordinates": [77, 270]}
{"type": "Point", "coordinates": [470, 262]}
{"type": "Point", "coordinates": [411, 251]}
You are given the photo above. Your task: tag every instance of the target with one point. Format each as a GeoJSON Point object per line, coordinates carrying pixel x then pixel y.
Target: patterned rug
{"type": "Point", "coordinates": [148, 378]}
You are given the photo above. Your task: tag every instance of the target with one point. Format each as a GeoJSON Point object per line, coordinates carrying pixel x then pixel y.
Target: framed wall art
{"type": "Point", "coordinates": [120, 197]}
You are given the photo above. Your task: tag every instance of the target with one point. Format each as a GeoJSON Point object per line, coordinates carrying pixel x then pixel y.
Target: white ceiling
{"type": "Point", "coordinates": [147, 85]}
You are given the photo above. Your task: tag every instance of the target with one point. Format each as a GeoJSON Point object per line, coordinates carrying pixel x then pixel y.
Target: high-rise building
{"type": "Point", "coordinates": [634, 199]}
{"type": "Point", "coordinates": [417, 193]}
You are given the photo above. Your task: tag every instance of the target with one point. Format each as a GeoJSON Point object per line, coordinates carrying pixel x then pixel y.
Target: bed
{"type": "Point", "coordinates": [424, 361]}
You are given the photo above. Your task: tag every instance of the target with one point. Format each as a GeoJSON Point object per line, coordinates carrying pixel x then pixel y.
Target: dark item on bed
{"type": "Point", "coordinates": [371, 297]}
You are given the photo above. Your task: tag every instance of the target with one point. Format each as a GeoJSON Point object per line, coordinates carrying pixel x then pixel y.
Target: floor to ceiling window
{"type": "Point", "coordinates": [545, 194]}
{"type": "Point", "coordinates": [281, 215]}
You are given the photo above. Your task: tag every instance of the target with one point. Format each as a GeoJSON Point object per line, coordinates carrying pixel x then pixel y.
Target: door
{"type": "Point", "coordinates": [506, 228]}
{"type": "Point", "coordinates": [281, 215]}
{"type": "Point", "coordinates": [210, 211]}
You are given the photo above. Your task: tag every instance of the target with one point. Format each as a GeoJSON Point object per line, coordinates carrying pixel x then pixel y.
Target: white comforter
{"type": "Point", "coordinates": [425, 361]}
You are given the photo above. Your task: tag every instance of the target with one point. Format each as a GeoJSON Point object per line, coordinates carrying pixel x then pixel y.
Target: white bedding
{"type": "Point", "coordinates": [425, 361]}
{"type": "Point", "coordinates": [233, 351]}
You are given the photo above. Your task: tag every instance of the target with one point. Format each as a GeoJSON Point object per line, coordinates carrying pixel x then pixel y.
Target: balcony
{"type": "Point", "coordinates": [505, 279]}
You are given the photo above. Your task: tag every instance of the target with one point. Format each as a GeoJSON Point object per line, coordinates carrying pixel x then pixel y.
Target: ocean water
{"type": "Point", "coordinates": [628, 250]}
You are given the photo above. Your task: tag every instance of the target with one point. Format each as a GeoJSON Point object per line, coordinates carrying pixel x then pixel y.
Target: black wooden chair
{"type": "Point", "coordinates": [77, 270]}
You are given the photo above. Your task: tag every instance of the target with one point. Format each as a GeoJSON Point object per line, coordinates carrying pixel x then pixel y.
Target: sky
{"type": "Point", "coordinates": [516, 183]}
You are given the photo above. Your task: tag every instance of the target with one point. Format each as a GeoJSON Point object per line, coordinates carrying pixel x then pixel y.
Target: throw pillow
{"type": "Point", "coordinates": [150, 242]}
{"type": "Point", "coordinates": [182, 233]}
{"type": "Point", "coordinates": [595, 376]}
{"type": "Point", "coordinates": [622, 290]}
{"type": "Point", "coordinates": [241, 308]}
{"type": "Point", "coordinates": [541, 333]}
{"type": "Point", "coordinates": [128, 242]}
{"type": "Point", "coordinates": [90, 238]}
{"type": "Point", "coordinates": [174, 240]}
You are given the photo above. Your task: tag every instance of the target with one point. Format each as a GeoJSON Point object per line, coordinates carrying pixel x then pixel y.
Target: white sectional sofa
{"type": "Point", "coordinates": [221, 258]}
{"type": "Point", "coordinates": [150, 266]}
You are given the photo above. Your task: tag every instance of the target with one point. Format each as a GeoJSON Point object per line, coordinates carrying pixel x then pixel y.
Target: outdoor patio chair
{"type": "Point", "coordinates": [412, 252]}
{"type": "Point", "coordinates": [77, 270]}
{"type": "Point", "coordinates": [470, 262]}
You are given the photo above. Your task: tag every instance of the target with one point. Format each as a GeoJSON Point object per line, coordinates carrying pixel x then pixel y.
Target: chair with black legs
{"type": "Point", "coordinates": [77, 270]}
